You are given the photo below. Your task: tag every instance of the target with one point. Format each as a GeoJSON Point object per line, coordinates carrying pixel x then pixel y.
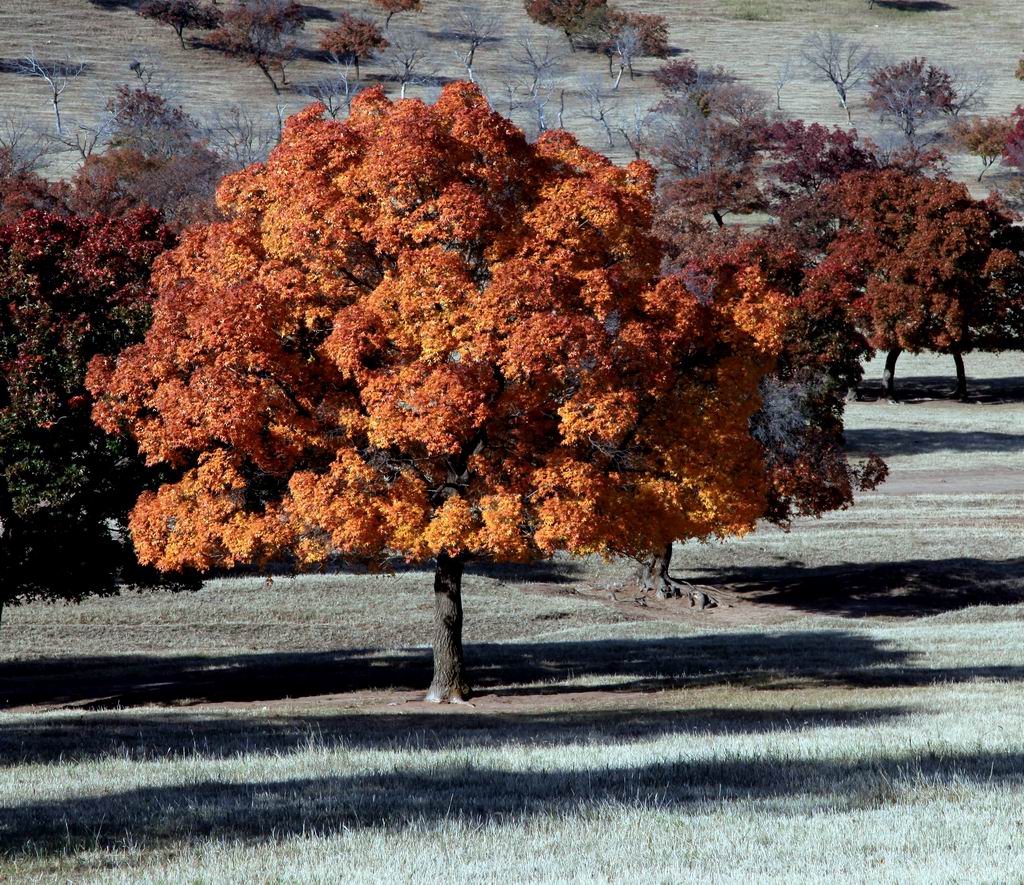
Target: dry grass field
{"type": "Point", "coordinates": [851, 712]}
{"type": "Point", "coordinates": [751, 37]}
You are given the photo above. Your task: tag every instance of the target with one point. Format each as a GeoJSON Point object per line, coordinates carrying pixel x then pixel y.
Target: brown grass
{"type": "Point", "coordinates": [748, 36]}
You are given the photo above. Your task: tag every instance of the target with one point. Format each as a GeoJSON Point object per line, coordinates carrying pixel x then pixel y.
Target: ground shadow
{"type": "Point", "coordinates": [543, 571]}
{"type": "Point", "coordinates": [501, 670]}
{"type": "Point", "coordinates": [116, 4]}
{"type": "Point", "coordinates": [886, 441]}
{"type": "Point", "coordinates": [915, 5]}
{"type": "Point", "coordinates": [316, 13]}
{"type": "Point", "coordinates": [920, 388]}
{"type": "Point", "coordinates": [151, 736]}
{"type": "Point", "coordinates": [474, 794]}
{"type": "Point", "coordinates": [908, 588]}
{"type": "Point", "coordinates": [58, 66]}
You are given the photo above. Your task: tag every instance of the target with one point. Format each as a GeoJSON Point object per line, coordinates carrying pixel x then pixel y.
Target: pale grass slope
{"type": "Point", "coordinates": [751, 37]}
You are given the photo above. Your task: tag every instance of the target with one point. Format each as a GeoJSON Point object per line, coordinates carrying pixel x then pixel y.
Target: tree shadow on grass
{"type": "Point", "coordinates": [907, 588]}
{"type": "Point", "coordinates": [922, 388]}
{"type": "Point", "coordinates": [156, 735]}
{"type": "Point", "coordinates": [473, 794]}
{"type": "Point", "coordinates": [915, 5]}
{"type": "Point", "coordinates": [770, 660]}
{"type": "Point", "coordinates": [888, 442]}
{"type": "Point", "coordinates": [116, 4]}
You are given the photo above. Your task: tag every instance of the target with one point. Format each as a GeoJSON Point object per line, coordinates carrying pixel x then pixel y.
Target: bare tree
{"type": "Point", "coordinates": [239, 137]}
{"type": "Point", "coordinates": [58, 75]}
{"type": "Point", "coordinates": [844, 62]}
{"type": "Point", "coordinates": [407, 59]}
{"type": "Point", "coordinates": [530, 79]}
{"type": "Point", "coordinates": [785, 73]}
{"type": "Point", "coordinates": [636, 129]}
{"type": "Point", "coordinates": [627, 44]}
{"type": "Point", "coordinates": [970, 89]}
{"type": "Point", "coordinates": [537, 60]}
{"type": "Point", "coordinates": [336, 91]}
{"type": "Point", "coordinates": [474, 26]}
{"type": "Point", "coordinates": [85, 137]}
{"type": "Point", "coordinates": [912, 97]}
{"type": "Point", "coordinates": [599, 104]}
{"type": "Point", "coordinates": [23, 149]}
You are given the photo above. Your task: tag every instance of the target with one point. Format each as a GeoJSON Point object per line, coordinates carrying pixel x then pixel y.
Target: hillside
{"type": "Point", "coordinates": [751, 37]}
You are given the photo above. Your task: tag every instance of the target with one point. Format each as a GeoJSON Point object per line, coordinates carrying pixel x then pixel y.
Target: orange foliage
{"type": "Point", "coordinates": [417, 332]}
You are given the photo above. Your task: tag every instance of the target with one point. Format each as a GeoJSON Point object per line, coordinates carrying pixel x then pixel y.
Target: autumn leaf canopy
{"type": "Point", "coordinates": [417, 332]}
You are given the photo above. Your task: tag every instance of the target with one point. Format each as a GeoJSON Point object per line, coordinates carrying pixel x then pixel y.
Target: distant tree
{"type": "Point", "coordinates": [708, 134]}
{"type": "Point", "coordinates": [970, 85]}
{"type": "Point", "coordinates": [157, 155]}
{"type": "Point", "coordinates": [474, 26]}
{"type": "Point", "coordinates": [22, 188]}
{"type": "Point", "coordinates": [800, 162]}
{"type": "Point", "coordinates": [57, 74]}
{"type": "Point", "coordinates": [392, 7]}
{"type": "Point", "coordinates": [599, 106]}
{"type": "Point", "coordinates": [408, 59]}
{"type": "Point", "coordinates": [636, 129]}
{"type": "Point", "coordinates": [625, 46]}
{"type": "Point", "coordinates": [533, 77]}
{"type": "Point", "coordinates": [459, 349]}
{"type": "Point", "coordinates": [983, 137]}
{"type": "Point", "coordinates": [70, 288]}
{"type": "Point", "coordinates": [146, 121]}
{"type": "Point", "coordinates": [911, 95]}
{"type": "Point", "coordinates": [649, 33]}
{"type": "Point", "coordinates": [785, 73]}
{"type": "Point", "coordinates": [336, 91]}
{"type": "Point", "coordinates": [805, 158]}
{"type": "Point", "coordinates": [574, 18]}
{"type": "Point", "coordinates": [1013, 150]}
{"type": "Point", "coordinates": [239, 137]}
{"type": "Point", "coordinates": [260, 33]}
{"type": "Point", "coordinates": [922, 265]}
{"type": "Point", "coordinates": [182, 15]}
{"type": "Point", "coordinates": [353, 38]}
{"type": "Point", "coordinates": [844, 62]}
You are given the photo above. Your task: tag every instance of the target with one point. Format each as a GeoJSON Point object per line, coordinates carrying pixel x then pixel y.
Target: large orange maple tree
{"type": "Point", "coordinates": [417, 334]}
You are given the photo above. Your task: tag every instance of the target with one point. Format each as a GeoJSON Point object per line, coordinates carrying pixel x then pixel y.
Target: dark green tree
{"type": "Point", "coordinates": [70, 288]}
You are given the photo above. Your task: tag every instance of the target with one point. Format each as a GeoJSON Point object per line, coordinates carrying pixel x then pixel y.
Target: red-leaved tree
{"type": "Point", "coordinates": [71, 287]}
{"type": "Point", "coordinates": [261, 33]}
{"type": "Point", "coordinates": [922, 265]}
{"type": "Point", "coordinates": [391, 8]}
{"type": "Point", "coordinates": [417, 334]}
{"type": "Point", "coordinates": [574, 18]}
{"type": "Point", "coordinates": [352, 38]}
{"type": "Point", "coordinates": [182, 15]}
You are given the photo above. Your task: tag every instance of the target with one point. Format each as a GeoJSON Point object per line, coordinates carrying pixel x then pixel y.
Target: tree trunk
{"type": "Point", "coordinates": [889, 375]}
{"type": "Point", "coordinates": [654, 576]}
{"type": "Point", "coordinates": [358, 75]}
{"type": "Point", "coordinates": [181, 37]}
{"type": "Point", "coordinates": [961, 376]}
{"type": "Point", "coordinates": [719, 220]}
{"type": "Point", "coordinates": [266, 73]}
{"type": "Point", "coordinates": [449, 684]}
